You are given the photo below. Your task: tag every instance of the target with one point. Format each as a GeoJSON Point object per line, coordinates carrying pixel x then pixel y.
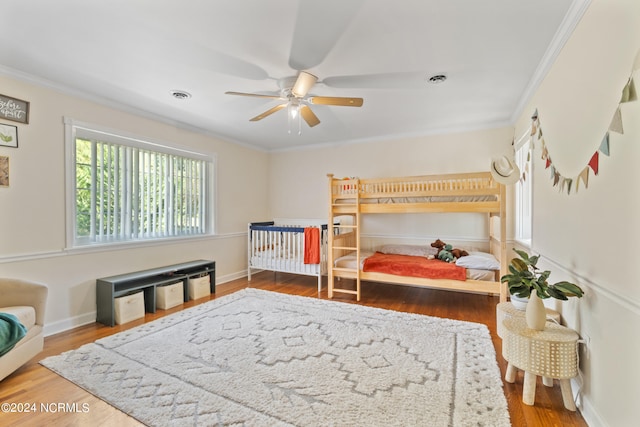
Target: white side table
{"type": "Point", "coordinates": [506, 310]}
{"type": "Point", "coordinates": [551, 353]}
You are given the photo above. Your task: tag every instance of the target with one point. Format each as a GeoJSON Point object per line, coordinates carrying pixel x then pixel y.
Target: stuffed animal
{"type": "Point", "coordinates": [450, 254]}
{"type": "Point", "coordinates": [446, 255]}
{"type": "Point", "coordinates": [438, 244]}
{"type": "Point", "coordinates": [459, 253]}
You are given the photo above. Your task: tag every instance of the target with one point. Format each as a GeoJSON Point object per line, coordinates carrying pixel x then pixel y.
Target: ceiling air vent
{"type": "Point", "coordinates": [438, 78]}
{"type": "Point", "coordinates": [180, 94]}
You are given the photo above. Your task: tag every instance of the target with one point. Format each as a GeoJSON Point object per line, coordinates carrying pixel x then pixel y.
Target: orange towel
{"type": "Point", "coordinates": [312, 245]}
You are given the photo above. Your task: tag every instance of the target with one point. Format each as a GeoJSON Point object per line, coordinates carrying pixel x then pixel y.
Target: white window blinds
{"type": "Point", "coordinates": [127, 190]}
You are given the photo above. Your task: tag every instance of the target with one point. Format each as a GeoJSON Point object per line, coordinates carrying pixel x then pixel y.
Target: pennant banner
{"type": "Point", "coordinates": [616, 122]}
{"type": "Point", "coordinates": [604, 145]}
{"type": "Point", "coordinates": [584, 177]}
{"type": "Point", "coordinates": [593, 163]}
{"type": "Point", "coordinates": [629, 94]}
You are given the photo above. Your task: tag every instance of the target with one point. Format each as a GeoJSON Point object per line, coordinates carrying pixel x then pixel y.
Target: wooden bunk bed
{"type": "Point", "coordinates": [467, 192]}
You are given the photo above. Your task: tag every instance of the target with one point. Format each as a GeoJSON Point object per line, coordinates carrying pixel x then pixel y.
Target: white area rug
{"type": "Point", "coordinates": [267, 359]}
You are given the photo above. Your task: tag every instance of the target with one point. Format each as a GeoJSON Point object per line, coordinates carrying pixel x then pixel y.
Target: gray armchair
{"type": "Point", "coordinates": [27, 301]}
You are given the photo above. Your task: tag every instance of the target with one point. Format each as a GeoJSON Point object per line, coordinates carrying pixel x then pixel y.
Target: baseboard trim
{"type": "Point", "coordinates": [65, 325]}
{"type": "Point", "coordinates": [68, 324]}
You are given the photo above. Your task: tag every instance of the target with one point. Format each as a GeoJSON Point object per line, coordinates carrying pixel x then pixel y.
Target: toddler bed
{"type": "Point", "coordinates": [288, 249]}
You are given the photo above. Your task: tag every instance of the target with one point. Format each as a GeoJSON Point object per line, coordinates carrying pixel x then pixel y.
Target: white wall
{"type": "Point", "coordinates": [590, 237]}
{"type": "Point", "coordinates": [299, 183]}
{"type": "Point", "coordinates": [32, 208]}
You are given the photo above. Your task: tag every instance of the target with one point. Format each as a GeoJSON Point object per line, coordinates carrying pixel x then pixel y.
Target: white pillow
{"type": "Point", "coordinates": [413, 250]}
{"type": "Point", "coordinates": [479, 261]}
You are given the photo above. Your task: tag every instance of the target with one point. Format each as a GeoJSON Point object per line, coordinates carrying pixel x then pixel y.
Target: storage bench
{"type": "Point", "coordinates": [147, 281]}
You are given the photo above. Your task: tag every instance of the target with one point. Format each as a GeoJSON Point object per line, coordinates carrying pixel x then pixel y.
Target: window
{"type": "Point", "coordinates": [523, 190]}
{"type": "Point", "coordinates": [122, 189]}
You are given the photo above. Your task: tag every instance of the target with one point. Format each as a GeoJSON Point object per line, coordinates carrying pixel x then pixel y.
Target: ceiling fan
{"type": "Point", "coordinates": [294, 91]}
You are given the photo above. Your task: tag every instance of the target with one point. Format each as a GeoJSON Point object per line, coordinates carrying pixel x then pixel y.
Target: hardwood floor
{"type": "Point", "coordinates": [38, 388]}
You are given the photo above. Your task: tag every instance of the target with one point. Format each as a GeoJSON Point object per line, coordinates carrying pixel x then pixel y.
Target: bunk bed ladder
{"type": "Point", "coordinates": [345, 238]}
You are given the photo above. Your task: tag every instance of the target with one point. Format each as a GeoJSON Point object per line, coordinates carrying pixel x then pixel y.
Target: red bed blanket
{"type": "Point", "coordinates": [413, 266]}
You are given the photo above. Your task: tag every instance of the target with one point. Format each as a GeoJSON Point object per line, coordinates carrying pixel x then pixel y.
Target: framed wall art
{"type": "Point", "coordinates": [14, 109]}
{"type": "Point", "coordinates": [4, 171]}
{"type": "Point", "coordinates": [8, 136]}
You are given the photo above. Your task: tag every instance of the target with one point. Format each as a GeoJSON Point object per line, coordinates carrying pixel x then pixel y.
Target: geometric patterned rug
{"type": "Point", "coordinates": [263, 358]}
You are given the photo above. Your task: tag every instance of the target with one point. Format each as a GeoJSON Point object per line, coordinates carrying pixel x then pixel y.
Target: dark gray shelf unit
{"type": "Point", "coordinates": [109, 288]}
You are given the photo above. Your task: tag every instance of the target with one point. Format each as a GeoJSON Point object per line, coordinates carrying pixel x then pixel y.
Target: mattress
{"type": "Point", "coordinates": [350, 261]}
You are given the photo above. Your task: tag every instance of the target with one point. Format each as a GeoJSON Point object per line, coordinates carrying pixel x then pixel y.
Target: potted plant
{"type": "Point", "coordinates": [526, 280]}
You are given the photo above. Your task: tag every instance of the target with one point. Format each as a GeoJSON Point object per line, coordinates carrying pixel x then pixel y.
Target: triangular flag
{"type": "Point", "coordinates": [633, 94]}
{"type": "Point", "coordinates": [535, 113]}
{"type": "Point", "coordinates": [593, 163]}
{"type": "Point", "coordinates": [539, 132]}
{"type": "Point", "coordinates": [604, 145]}
{"type": "Point", "coordinates": [561, 187]}
{"type": "Point", "coordinates": [556, 178]}
{"type": "Point", "coordinates": [553, 171]}
{"type": "Point", "coordinates": [569, 182]}
{"type": "Point", "coordinates": [629, 92]}
{"type": "Point", "coordinates": [545, 153]}
{"type": "Point", "coordinates": [533, 129]}
{"type": "Point", "coordinates": [548, 163]}
{"type": "Point", "coordinates": [616, 122]}
{"type": "Point", "coordinates": [584, 177]}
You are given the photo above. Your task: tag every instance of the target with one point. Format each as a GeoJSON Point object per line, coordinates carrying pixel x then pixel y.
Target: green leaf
{"type": "Point", "coordinates": [505, 278]}
{"type": "Point", "coordinates": [5, 138]}
{"type": "Point", "coordinates": [556, 294]}
{"type": "Point", "coordinates": [534, 260]}
{"type": "Point", "coordinates": [569, 289]}
{"type": "Point", "coordinates": [523, 255]}
{"type": "Point", "coordinates": [519, 264]}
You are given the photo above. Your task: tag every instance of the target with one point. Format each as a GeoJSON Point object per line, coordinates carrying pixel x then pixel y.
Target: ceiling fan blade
{"type": "Point", "coordinates": [410, 80]}
{"type": "Point", "coordinates": [304, 83]}
{"type": "Point", "coordinates": [336, 100]}
{"type": "Point", "coordinates": [319, 26]}
{"type": "Point", "coordinates": [309, 116]}
{"type": "Point", "coordinates": [255, 95]}
{"type": "Point", "coordinates": [193, 55]}
{"type": "Point", "coordinates": [268, 112]}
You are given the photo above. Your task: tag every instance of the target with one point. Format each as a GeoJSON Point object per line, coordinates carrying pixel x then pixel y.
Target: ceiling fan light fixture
{"type": "Point", "coordinates": [294, 109]}
{"type": "Point", "coordinates": [294, 118]}
{"type": "Point", "coordinates": [437, 79]}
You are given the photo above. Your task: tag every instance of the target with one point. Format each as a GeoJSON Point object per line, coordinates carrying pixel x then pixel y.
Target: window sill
{"type": "Point", "coordinates": [114, 246]}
